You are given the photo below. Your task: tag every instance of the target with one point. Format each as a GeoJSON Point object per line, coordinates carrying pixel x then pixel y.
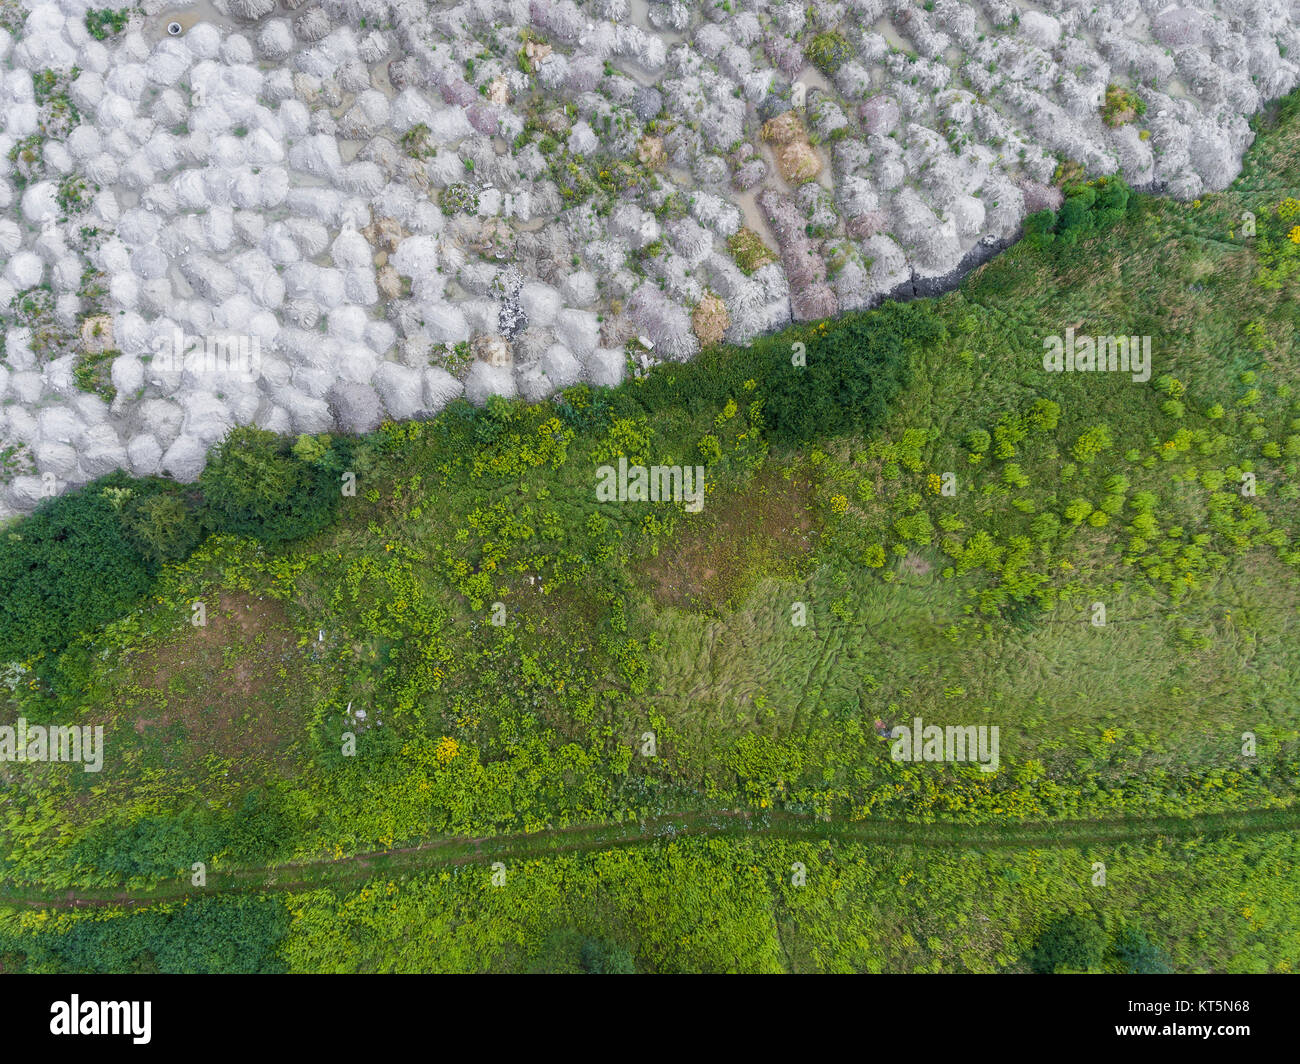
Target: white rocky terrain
{"type": "Point", "coordinates": [378, 206]}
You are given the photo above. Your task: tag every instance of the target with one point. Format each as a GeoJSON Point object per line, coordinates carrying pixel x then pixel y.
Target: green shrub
{"type": "Point", "coordinates": [1070, 943]}
{"type": "Point", "coordinates": [606, 958]}
{"type": "Point", "coordinates": [254, 485]}
{"type": "Point", "coordinates": [855, 368]}
{"type": "Point", "coordinates": [262, 831]}
{"type": "Point", "coordinates": [749, 251]}
{"type": "Point", "coordinates": [105, 22]}
{"type": "Point", "coordinates": [458, 199]}
{"type": "Point", "coordinates": [68, 569]}
{"type": "Point", "coordinates": [1121, 106]}
{"type": "Point", "coordinates": [155, 847]}
{"type": "Point", "coordinates": [231, 934]}
{"type": "Point", "coordinates": [164, 527]}
{"type": "Point", "coordinates": [1139, 956]}
{"type": "Point", "coordinates": [828, 52]}
{"type": "Point", "coordinates": [1087, 207]}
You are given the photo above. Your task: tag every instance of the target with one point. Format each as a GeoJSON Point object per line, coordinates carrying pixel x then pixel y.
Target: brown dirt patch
{"type": "Point", "coordinates": [768, 529]}
{"type": "Point", "coordinates": [230, 685]}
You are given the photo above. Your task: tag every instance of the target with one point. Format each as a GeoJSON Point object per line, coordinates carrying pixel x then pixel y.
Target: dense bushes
{"type": "Point", "coordinates": [260, 831]}
{"type": "Point", "coordinates": [89, 556]}
{"type": "Point", "coordinates": [1079, 943]}
{"type": "Point", "coordinates": [68, 569]}
{"type": "Point", "coordinates": [1138, 955]}
{"type": "Point", "coordinates": [855, 368]}
{"type": "Point", "coordinates": [1072, 943]}
{"type": "Point", "coordinates": [153, 847]}
{"type": "Point", "coordinates": [1088, 207]}
{"type": "Point", "coordinates": [164, 526]}
{"type": "Point", "coordinates": [227, 935]}
{"type": "Point", "coordinates": [271, 488]}
{"type": "Point", "coordinates": [604, 958]}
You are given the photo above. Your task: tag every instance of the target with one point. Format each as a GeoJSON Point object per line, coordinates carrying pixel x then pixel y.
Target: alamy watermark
{"type": "Point", "coordinates": [77, 1017]}
{"type": "Point", "coordinates": [1086, 354]}
{"type": "Point", "coordinates": [229, 354]}
{"type": "Point", "coordinates": [35, 742]}
{"type": "Point", "coordinates": [657, 483]}
{"type": "Point", "coordinates": [930, 742]}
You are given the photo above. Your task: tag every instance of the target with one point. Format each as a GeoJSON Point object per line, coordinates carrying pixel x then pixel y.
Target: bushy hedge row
{"type": "Point", "coordinates": [815, 381]}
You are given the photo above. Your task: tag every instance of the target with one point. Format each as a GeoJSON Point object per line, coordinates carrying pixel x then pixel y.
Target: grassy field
{"type": "Point", "coordinates": [476, 647]}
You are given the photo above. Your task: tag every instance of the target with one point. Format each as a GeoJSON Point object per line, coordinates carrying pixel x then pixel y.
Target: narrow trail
{"type": "Point", "coordinates": [450, 852]}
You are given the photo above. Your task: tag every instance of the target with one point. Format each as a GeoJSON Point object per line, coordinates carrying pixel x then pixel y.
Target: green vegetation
{"type": "Point", "coordinates": [749, 251]}
{"type": "Point", "coordinates": [720, 905]}
{"type": "Point", "coordinates": [271, 488]}
{"type": "Point", "coordinates": [90, 555]}
{"type": "Point", "coordinates": [28, 161]}
{"type": "Point", "coordinates": [92, 373]}
{"type": "Point", "coordinates": [1089, 207]}
{"type": "Point", "coordinates": [670, 725]}
{"type": "Point", "coordinates": [164, 526]}
{"type": "Point", "coordinates": [73, 195]}
{"type": "Point", "coordinates": [858, 367]}
{"type": "Point", "coordinates": [458, 199]}
{"type": "Point", "coordinates": [1073, 943]}
{"type": "Point", "coordinates": [103, 23]}
{"type": "Point", "coordinates": [416, 142]}
{"type": "Point", "coordinates": [65, 569]}
{"type": "Point", "coordinates": [57, 115]}
{"type": "Point", "coordinates": [1121, 106]}
{"type": "Point", "coordinates": [828, 52]}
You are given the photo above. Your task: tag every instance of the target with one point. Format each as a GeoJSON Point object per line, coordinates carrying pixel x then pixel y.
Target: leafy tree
{"type": "Point", "coordinates": [1075, 217]}
{"type": "Point", "coordinates": [1070, 943]}
{"type": "Point", "coordinates": [163, 527]}
{"type": "Point", "coordinates": [1087, 207]}
{"type": "Point", "coordinates": [855, 369]}
{"type": "Point", "coordinates": [915, 527]}
{"type": "Point", "coordinates": [1040, 229]}
{"type": "Point", "coordinates": [256, 485]}
{"type": "Point", "coordinates": [66, 569]}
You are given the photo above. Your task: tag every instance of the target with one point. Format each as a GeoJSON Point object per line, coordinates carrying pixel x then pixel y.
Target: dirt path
{"type": "Point", "coordinates": [448, 852]}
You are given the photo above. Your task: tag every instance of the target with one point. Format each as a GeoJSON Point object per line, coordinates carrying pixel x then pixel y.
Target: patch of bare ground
{"type": "Point", "coordinates": [228, 687]}
{"type": "Point", "coordinates": [766, 529]}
